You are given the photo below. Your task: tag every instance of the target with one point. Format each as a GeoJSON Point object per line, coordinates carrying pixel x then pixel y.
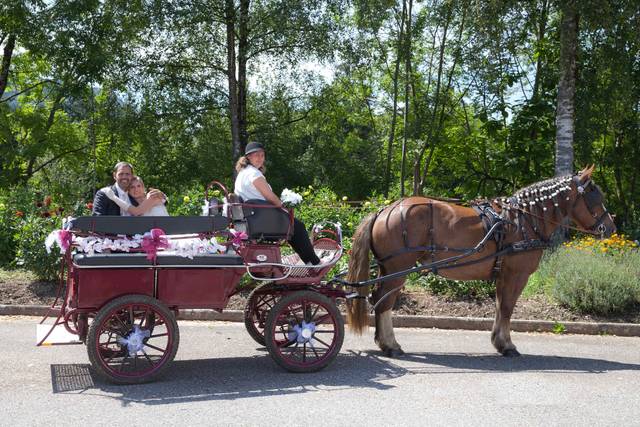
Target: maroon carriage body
{"type": "Point", "coordinates": [205, 281]}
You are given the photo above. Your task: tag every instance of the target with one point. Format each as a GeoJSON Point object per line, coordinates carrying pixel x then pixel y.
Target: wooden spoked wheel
{"type": "Point", "coordinates": [260, 302]}
{"type": "Point", "coordinates": [304, 331]}
{"type": "Point", "coordinates": [133, 339]}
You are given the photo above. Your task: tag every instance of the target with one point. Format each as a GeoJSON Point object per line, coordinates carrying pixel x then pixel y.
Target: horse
{"type": "Point", "coordinates": [501, 240]}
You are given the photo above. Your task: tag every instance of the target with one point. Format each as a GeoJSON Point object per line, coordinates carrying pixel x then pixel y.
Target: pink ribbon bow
{"type": "Point", "coordinates": [238, 237]}
{"type": "Point", "coordinates": [64, 239]}
{"type": "Point", "coordinates": [152, 242]}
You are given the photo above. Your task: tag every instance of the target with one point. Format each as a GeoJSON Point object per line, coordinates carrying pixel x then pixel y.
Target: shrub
{"type": "Point", "coordinates": [591, 281]}
{"type": "Point", "coordinates": [323, 205]}
{"type": "Point", "coordinates": [8, 221]}
{"type": "Point", "coordinates": [187, 203]}
{"type": "Point", "coordinates": [31, 253]}
{"type": "Point", "coordinates": [439, 285]}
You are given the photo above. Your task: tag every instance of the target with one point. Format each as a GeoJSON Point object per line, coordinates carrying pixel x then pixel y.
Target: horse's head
{"type": "Point", "coordinates": [588, 209]}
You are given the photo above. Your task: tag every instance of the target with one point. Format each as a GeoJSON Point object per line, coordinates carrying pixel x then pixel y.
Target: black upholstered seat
{"type": "Point", "coordinates": [139, 259]}
{"type": "Point", "coordinates": [265, 221]}
{"type": "Point", "coordinates": [131, 225]}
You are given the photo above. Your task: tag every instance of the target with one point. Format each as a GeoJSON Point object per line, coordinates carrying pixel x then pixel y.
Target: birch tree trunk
{"type": "Point", "coordinates": [565, 113]}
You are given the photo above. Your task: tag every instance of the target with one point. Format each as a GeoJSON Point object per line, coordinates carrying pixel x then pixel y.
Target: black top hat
{"type": "Point", "coordinates": [253, 147]}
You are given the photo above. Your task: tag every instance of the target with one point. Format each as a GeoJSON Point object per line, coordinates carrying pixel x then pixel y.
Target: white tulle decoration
{"type": "Point", "coordinates": [183, 246]}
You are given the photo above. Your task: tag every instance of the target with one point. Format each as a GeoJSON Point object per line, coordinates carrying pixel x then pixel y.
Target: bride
{"type": "Point", "coordinates": [152, 204]}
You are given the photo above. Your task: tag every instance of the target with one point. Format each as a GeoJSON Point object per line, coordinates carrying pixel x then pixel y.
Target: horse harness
{"type": "Point", "coordinates": [495, 222]}
{"type": "Point", "coordinates": [495, 228]}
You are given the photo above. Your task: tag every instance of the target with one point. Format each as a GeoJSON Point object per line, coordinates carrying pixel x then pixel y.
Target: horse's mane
{"type": "Point", "coordinates": [540, 191]}
{"type": "Point", "coordinates": [546, 185]}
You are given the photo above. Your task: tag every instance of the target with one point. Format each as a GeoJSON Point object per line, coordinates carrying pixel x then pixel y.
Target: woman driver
{"type": "Point", "coordinates": [251, 184]}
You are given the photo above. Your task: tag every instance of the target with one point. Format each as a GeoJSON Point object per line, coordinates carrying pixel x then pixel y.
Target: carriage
{"type": "Point", "coordinates": [123, 304]}
{"type": "Point", "coordinates": [125, 279]}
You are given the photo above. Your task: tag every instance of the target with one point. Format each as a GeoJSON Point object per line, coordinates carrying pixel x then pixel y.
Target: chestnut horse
{"type": "Point", "coordinates": [421, 231]}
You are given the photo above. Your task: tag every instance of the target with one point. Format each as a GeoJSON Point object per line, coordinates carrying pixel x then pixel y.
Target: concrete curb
{"type": "Point", "coordinates": [400, 321]}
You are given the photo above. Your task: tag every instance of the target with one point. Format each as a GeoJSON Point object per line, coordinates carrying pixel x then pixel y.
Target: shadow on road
{"type": "Point", "coordinates": [242, 377]}
{"type": "Point", "coordinates": [492, 363]}
{"type": "Point", "coordinates": [231, 378]}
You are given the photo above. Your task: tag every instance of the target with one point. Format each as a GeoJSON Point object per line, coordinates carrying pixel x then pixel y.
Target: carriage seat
{"type": "Point", "coordinates": [266, 223]}
{"type": "Point", "coordinates": [138, 259]}
{"type": "Point", "coordinates": [131, 225]}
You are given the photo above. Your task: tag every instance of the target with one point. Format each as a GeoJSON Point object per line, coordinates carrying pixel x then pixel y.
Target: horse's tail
{"type": "Point", "coordinates": [358, 271]}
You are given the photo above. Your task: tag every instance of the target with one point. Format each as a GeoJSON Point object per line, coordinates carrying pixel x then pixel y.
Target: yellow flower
{"type": "Point", "coordinates": [186, 199]}
{"type": "Point", "coordinates": [367, 204]}
{"type": "Point", "coordinates": [345, 198]}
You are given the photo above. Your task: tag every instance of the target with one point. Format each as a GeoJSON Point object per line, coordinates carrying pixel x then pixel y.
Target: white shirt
{"type": "Point", "coordinates": [120, 193]}
{"type": "Point", "coordinates": [244, 184]}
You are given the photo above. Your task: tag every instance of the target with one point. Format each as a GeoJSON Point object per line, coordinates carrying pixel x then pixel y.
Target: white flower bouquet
{"type": "Point", "coordinates": [290, 198]}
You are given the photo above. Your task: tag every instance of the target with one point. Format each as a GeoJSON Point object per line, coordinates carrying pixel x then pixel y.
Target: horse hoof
{"type": "Point", "coordinates": [512, 352]}
{"type": "Point", "coordinates": [393, 352]}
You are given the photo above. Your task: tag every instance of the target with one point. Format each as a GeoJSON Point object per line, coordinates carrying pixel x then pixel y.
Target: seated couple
{"type": "Point", "coordinates": [128, 197]}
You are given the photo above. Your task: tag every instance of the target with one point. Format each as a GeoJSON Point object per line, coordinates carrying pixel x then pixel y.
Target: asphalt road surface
{"type": "Point", "coordinates": [221, 377]}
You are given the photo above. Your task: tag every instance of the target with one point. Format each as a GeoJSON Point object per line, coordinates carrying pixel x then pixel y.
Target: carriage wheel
{"type": "Point", "coordinates": [304, 332]}
{"type": "Point", "coordinates": [133, 339]}
{"type": "Point", "coordinates": [259, 303]}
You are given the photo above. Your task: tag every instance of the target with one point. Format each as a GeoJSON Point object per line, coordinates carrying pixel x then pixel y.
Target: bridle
{"type": "Point", "coordinates": [592, 196]}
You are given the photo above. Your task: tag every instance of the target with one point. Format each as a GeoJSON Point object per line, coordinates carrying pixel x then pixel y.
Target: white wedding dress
{"type": "Point", "coordinates": [159, 210]}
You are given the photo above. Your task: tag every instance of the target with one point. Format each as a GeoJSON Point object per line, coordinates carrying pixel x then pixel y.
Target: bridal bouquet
{"type": "Point", "coordinates": [290, 198]}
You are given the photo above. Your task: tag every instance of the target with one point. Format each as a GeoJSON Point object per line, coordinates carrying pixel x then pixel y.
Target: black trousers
{"type": "Point", "coordinates": [301, 244]}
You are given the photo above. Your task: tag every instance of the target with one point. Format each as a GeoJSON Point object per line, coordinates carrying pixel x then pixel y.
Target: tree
{"type": "Point", "coordinates": [214, 48]}
{"type": "Point", "coordinates": [565, 116]}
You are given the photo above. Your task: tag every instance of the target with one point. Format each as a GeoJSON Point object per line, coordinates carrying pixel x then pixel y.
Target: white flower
{"type": "Point", "coordinates": [290, 198]}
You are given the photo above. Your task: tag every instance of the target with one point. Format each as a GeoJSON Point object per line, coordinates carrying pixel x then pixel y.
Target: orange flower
{"type": "Point", "coordinates": [19, 214]}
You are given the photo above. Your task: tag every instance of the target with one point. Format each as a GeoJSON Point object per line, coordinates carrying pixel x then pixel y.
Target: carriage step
{"type": "Point", "coordinates": [59, 335]}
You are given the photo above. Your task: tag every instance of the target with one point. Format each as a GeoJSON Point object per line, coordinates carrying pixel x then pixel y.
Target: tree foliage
{"type": "Point", "coordinates": [340, 92]}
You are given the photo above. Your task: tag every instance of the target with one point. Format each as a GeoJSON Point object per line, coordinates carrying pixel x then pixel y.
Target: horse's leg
{"type": "Point", "coordinates": [508, 290]}
{"type": "Point", "coordinates": [384, 336]}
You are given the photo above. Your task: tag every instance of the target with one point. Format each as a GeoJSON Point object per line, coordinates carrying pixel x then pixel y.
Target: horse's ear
{"type": "Point", "coordinates": [585, 173]}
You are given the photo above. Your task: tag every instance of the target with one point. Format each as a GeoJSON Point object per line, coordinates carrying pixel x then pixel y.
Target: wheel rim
{"type": "Point", "coordinates": [305, 333]}
{"type": "Point", "coordinates": [134, 340]}
{"type": "Point", "coordinates": [260, 309]}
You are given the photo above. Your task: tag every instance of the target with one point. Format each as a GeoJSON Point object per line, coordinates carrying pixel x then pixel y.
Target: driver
{"type": "Point", "coordinates": [251, 184]}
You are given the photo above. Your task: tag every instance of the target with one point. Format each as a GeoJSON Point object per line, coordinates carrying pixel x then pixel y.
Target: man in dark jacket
{"type": "Point", "coordinates": [102, 204]}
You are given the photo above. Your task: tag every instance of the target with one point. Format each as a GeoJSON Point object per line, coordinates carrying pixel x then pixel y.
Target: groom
{"type": "Point", "coordinates": [102, 204]}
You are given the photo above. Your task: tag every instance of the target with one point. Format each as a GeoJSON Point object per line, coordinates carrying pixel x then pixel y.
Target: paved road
{"type": "Point", "coordinates": [220, 377]}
